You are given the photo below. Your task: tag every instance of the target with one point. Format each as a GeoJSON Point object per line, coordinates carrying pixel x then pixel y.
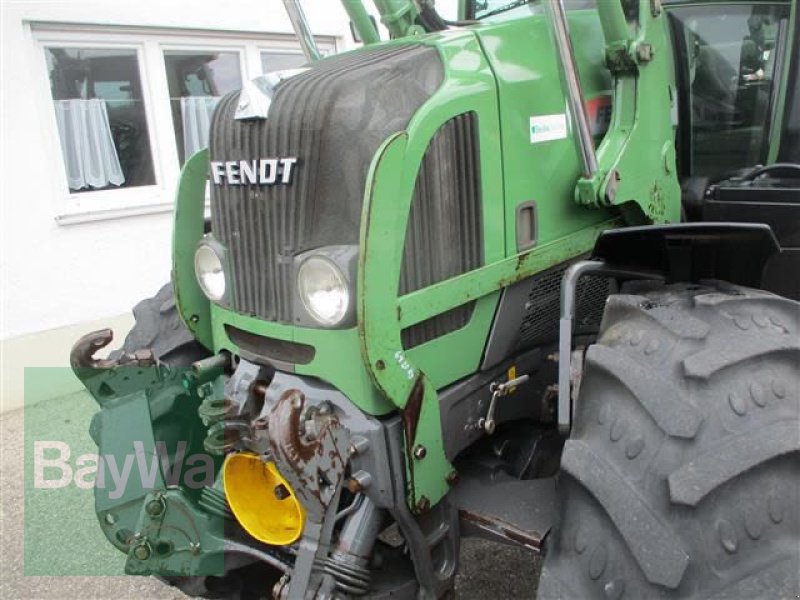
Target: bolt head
{"type": "Point", "coordinates": [142, 552]}
{"type": "Point", "coordinates": [644, 52]}
{"type": "Point", "coordinates": [155, 508]}
{"type": "Point", "coordinates": [420, 451]}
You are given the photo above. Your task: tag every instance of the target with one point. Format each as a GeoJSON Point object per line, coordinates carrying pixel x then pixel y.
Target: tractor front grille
{"type": "Point", "coordinates": [332, 118]}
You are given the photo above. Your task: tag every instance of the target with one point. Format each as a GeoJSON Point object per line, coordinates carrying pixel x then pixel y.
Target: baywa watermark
{"type": "Point", "coordinates": [53, 468]}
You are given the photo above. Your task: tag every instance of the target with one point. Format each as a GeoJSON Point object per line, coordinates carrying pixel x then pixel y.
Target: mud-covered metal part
{"type": "Point", "coordinates": [375, 451]}
{"type": "Point", "coordinates": [348, 563]}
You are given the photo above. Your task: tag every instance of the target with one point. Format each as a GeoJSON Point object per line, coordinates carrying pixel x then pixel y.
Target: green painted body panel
{"type": "Point", "coordinates": [193, 306]}
{"type": "Point", "coordinates": [783, 90]}
{"type": "Point", "coordinates": [524, 59]}
{"type": "Point", "coordinates": [504, 72]}
{"type": "Point", "coordinates": [637, 162]}
{"type": "Point", "coordinates": [336, 360]}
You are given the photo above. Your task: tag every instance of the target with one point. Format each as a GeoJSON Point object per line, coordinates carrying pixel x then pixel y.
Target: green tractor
{"type": "Point", "coordinates": [530, 275]}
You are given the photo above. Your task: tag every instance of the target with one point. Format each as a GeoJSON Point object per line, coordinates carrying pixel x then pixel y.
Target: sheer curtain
{"type": "Point", "coordinates": [89, 153]}
{"type": "Point", "coordinates": [196, 113]}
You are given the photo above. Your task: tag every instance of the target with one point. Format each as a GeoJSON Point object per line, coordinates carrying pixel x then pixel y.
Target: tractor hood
{"type": "Point", "coordinates": [294, 181]}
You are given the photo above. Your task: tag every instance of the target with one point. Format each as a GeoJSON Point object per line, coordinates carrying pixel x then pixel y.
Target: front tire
{"type": "Point", "coordinates": [681, 478]}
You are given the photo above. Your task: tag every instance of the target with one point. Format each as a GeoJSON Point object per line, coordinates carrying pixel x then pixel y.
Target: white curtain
{"type": "Point", "coordinates": [89, 152]}
{"type": "Point", "coordinates": [196, 113]}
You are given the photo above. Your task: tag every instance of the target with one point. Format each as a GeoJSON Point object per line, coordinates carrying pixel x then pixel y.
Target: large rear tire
{"type": "Point", "coordinates": [681, 478]}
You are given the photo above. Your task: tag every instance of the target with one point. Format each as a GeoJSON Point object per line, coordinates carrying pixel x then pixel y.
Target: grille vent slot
{"type": "Point", "coordinates": [543, 306]}
{"type": "Point", "coordinates": [444, 236]}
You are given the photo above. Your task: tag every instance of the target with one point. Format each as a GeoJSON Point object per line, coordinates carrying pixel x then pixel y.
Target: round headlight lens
{"type": "Point", "coordinates": [323, 290]}
{"type": "Point", "coordinates": [209, 272]}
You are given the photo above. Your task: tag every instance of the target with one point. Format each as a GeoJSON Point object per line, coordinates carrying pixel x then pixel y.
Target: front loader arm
{"type": "Point", "coordinates": [634, 167]}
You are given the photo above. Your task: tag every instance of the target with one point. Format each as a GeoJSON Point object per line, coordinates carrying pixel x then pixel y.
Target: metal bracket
{"type": "Point", "coordinates": [569, 286]}
{"type": "Point", "coordinates": [107, 378]}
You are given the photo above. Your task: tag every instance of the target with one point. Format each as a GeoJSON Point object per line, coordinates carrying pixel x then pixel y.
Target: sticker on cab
{"type": "Point", "coordinates": [546, 128]}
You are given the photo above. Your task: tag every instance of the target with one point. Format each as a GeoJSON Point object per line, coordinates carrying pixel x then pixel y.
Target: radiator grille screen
{"type": "Point", "coordinates": [543, 307]}
{"type": "Point", "coordinates": [444, 237]}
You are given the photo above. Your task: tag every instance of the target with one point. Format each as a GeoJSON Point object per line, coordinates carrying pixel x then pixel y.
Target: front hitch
{"type": "Point", "coordinates": [106, 378]}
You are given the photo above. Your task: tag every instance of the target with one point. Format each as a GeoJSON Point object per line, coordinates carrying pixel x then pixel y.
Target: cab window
{"type": "Point", "coordinates": [731, 61]}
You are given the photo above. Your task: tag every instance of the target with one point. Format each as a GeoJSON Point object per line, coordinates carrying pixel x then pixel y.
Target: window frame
{"type": "Point", "coordinates": [150, 44]}
{"type": "Point", "coordinates": [263, 50]}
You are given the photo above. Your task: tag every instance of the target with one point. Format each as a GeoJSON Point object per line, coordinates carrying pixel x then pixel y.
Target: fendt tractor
{"type": "Point", "coordinates": [530, 273]}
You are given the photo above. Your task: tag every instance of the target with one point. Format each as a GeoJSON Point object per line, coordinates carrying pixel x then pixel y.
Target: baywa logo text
{"type": "Point", "coordinates": [55, 468]}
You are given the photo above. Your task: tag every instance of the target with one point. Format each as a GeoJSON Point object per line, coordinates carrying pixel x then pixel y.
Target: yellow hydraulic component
{"type": "Point", "coordinates": [261, 499]}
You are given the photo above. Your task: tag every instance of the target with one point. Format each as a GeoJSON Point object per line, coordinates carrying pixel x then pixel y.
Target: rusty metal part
{"type": "Point", "coordinates": [104, 378]}
{"type": "Point", "coordinates": [423, 505]}
{"type": "Point", "coordinates": [82, 354]}
{"type": "Point", "coordinates": [412, 410]}
{"type": "Point", "coordinates": [452, 478]}
{"type": "Point", "coordinates": [493, 527]}
{"type": "Point", "coordinates": [314, 467]}
{"type": "Point", "coordinates": [260, 387]}
{"type": "Point", "coordinates": [505, 509]}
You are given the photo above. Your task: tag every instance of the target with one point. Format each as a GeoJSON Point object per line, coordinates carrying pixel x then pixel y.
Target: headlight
{"type": "Point", "coordinates": [209, 272]}
{"type": "Point", "coordinates": [323, 290]}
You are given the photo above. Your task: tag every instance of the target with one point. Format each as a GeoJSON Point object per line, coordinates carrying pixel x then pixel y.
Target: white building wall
{"type": "Point", "coordinates": [79, 270]}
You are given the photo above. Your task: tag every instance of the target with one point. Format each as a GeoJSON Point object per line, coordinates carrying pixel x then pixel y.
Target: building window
{"type": "Point", "coordinates": [100, 114]}
{"type": "Point", "coordinates": [129, 107]}
{"type": "Point", "coordinates": [197, 80]}
{"type": "Point", "coordinates": [279, 61]}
